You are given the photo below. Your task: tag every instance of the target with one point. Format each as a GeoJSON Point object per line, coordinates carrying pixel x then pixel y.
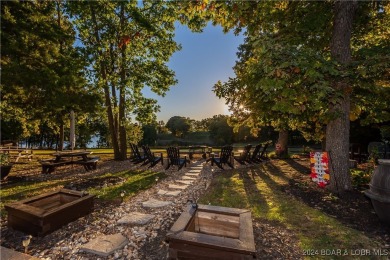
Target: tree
{"type": "Point", "coordinates": [297, 59]}
{"type": "Point", "coordinates": [178, 125]}
{"type": "Point", "coordinates": [220, 131]}
{"type": "Point", "coordinates": [42, 73]}
{"type": "Point", "coordinates": [128, 45]}
{"type": "Point", "coordinates": [149, 136]}
{"type": "Point", "coordinates": [161, 129]}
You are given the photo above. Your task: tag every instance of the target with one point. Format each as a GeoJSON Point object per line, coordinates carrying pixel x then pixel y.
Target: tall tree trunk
{"type": "Point", "coordinates": [122, 99]}
{"type": "Point", "coordinates": [61, 140]}
{"type": "Point", "coordinates": [281, 146]}
{"type": "Point", "coordinates": [106, 88]}
{"type": "Point", "coordinates": [337, 131]}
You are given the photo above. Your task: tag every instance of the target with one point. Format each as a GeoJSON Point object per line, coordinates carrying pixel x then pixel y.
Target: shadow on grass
{"type": "Point", "coordinates": [267, 191]}
{"type": "Point", "coordinates": [228, 191]}
{"type": "Point", "coordinates": [23, 190]}
{"type": "Point", "coordinates": [297, 166]}
{"type": "Point", "coordinates": [254, 195]}
{"type": "Point", "coordinates": [130, 186]}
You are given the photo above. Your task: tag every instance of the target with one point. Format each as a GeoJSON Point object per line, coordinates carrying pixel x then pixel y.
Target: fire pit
{"type": "Point", "coordinates": [212, 232]}
{"type": "Point", "coordinates": [45, 213]}
{"type": "Point", "coordinates": [379, 191]}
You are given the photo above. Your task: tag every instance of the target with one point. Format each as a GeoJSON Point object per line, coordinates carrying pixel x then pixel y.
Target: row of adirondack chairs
{"type": "Point", "coordinates": [257, 156]}
{"type": "Point", "coordinates": [226, 156]}
{"type": "Point", "coordinates": [147, 157]}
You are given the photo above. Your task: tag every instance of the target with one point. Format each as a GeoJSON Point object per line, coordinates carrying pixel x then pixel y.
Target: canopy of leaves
{"type": "Point", "coordinates": [42, 73]}
{"type": "Point", "coordinates": [285, 77]}
{"type": "Point", "coordinates": [220, 132]}
{"type": "Point", "coordinates": [178, 125]}
{"type": "Point", "coordinates": [146, 37]}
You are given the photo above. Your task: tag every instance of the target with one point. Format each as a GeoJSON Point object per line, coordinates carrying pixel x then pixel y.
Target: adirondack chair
{"type": "Point", "coordinates": [136, 155]}
{"type": "Point", "coordinates": [244, 156]}
{"type": "Point", "coordinates": [255, 156]}
{"type": "Point", "coordinates": [225, 157]}
{"type": "Point", "coordinates": [174, 158]}
{"type": "Point", "coordinates": [151, 158]}
{"type": "Point", "coordinates": [264, 156]}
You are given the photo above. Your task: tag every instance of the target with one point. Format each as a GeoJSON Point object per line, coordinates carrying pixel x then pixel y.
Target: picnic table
{"type": "Point", "coordinates": [200, 149]}
{"type": "Point", "coordinates": [17, 152]}
{"type": "Point", "coordinates": [66, 158]}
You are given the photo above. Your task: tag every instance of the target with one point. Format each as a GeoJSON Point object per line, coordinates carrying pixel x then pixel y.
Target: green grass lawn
{"type": "Point", "coordinates": [260, 189]}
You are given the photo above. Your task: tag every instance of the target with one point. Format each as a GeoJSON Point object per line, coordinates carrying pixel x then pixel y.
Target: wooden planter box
{"type": "Point", "coordinates": [45, 213]}
{"type": "Point", "coordinates": [211, 232]}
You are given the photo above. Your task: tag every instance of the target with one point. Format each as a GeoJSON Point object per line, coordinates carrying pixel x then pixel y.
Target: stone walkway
{"type": "Point", "coordinates": [144, 220]}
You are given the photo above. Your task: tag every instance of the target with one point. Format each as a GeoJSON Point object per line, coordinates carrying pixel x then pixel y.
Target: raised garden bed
{"type": "Point", "coordinates": [45, 213]}
{"type": "Point", "coordinates": [212, 232]}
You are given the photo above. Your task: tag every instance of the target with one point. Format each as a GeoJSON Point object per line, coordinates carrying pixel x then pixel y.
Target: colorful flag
{"type": "Point", "coordinates": [319, 164]}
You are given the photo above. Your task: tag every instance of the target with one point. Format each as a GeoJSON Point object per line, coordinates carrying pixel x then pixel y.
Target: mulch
{"type": "Point", "coordinates": [352, 208]}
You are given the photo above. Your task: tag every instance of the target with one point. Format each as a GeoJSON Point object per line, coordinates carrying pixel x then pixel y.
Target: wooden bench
{"type": "Point", "coordinates": [90, 164]}
{"type": "Point", "coordinates": [48, 166]}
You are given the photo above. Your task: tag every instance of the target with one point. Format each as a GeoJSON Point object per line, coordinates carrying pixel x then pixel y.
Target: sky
{"type": "Point", "coordinates": [204, 59]}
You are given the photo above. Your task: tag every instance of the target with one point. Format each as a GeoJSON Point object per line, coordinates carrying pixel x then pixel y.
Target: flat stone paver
{"type": "Point", "coordinates": [136, 218]}
{"type": "Point", "coordinates": [188, 182]}
{"type": "Point", "coordinates": [161, 192]}
{"type": "Point", "coordinates": [191, 174]}
{"type": "Point", "coordinates": [153, 203]}
{"type": "Point", "coordinates": [9, 254]}
{"type": "Point", "coordinates": [188, 178]}
{"type": "Point", "coordinates": [179, 187]}
{"type": "Point", "coordinates": [105, 245]}
{"type": "Point", "coordinates": [195, 171]}
{"type": "Point", "coordinates": [169, 193]}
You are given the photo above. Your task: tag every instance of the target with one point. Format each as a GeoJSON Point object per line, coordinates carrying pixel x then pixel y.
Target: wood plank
{"type": "Point", "coordinates": [182, 222]}
{"type": "Point", "coordinates": [44, 201]}
{"type": "Point", "coordinates": [66, 198]}
{"type": "Point", "coordinates": [70, 204]}
{"type": "Point", "coordinates": [224, 210]}
{"type": "Point", "coordinates": [21, 207]}
{"type": "Point", "coordinates": [51, 205]}
{"type": "Point", "coordinates": [189, 251]}
{"type": "Point", "coordinates": [28, 226]}
{"type": "Point", "coordinates": [191, 225]}
{"type": "Point", "coordinates": [209, 241]}
{"type": "Point", "coordinates": [246, 231]}
{"type": "Point", "coordinates": [217, 224]}
{"type": "Point", "coordinates": [38, 197]}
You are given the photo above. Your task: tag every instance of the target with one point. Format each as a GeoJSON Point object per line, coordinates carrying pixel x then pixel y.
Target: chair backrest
{"type": "Point", "coordinates": [256, 151]}
{"type": "Point", "coordinates": [134, 150]}
{"type": "Point", "coordinates": [264, 150]}
{"type": "Point", "coordinates": [247, 150]}
{"type": "Point", "coordinates": [147, 152]}
{"type": "Point", "coordinates": [226, 153]}
{"type": "Point", "coordinates": [173, 155]}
